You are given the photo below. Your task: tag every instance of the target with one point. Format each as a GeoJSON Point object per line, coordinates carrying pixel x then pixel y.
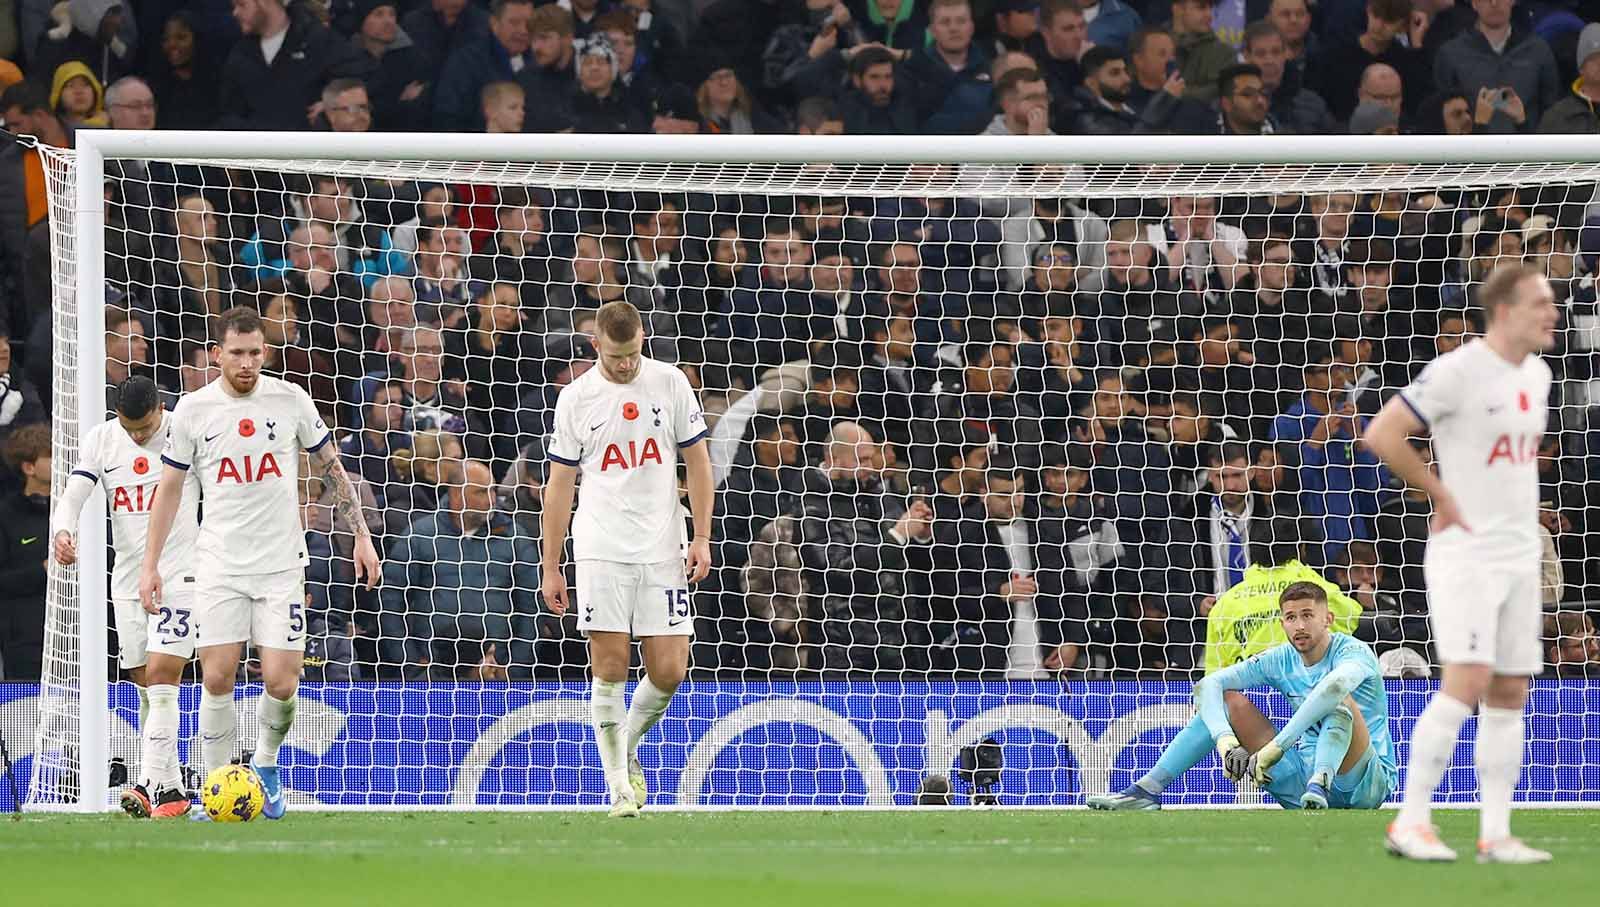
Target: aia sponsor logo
{"type": "Point", "coordinates": [1514, 449]}
{"type": "Point", "coordinates": [248, 470]}
{"type": "Point", "coordinates": [631, 457]}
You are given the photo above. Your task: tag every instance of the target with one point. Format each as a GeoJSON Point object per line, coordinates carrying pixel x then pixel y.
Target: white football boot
{"type": "Point", "coordinates": [1510, 850]}
{"type": "Point", "coordinates": [1418, 842]}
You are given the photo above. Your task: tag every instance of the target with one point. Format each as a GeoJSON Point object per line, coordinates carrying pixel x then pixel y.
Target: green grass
{"type": "Point", "coordinates": [820, 859]}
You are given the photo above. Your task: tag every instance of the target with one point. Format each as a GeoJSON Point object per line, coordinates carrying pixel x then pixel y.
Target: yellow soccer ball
{"type": "Point", "coordinates": [232, 794]}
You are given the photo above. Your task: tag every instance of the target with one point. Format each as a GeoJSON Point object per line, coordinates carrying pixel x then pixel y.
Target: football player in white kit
{"type": "Point", "coordinates": [1485, 405]}
{"type": "Point", "coordinates": [624, 424]}
{"type": "Point", "coordinates": [123, 455]}
{"type": "Point", "coordinates": [242, 435]}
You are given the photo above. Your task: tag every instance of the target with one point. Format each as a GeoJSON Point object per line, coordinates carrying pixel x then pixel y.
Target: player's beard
{"type": "Point", "coordinates": [242, 384]}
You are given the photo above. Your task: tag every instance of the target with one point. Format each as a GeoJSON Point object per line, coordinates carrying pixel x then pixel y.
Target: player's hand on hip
{"type": "Point", "coordinates": [150, 591]}
{"type": "Point", "coordinates": [66, 548]}
{"type": "Point", "coordinates": [1262, 762]}
{"type": "Point", "coordinates": [1447, 514]}
{"type": "Point", "coordinates": [368, 570]}
{"type": "Point", "coordinates": [554, 589]}
{"type": "Point", "coordinates": [1235, 758]}
{"type": "Point", "coordinates": [698, 563]}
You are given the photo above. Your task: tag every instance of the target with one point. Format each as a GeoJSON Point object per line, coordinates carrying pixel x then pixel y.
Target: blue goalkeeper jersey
{"type": "Point", "coordinates": [1348, 669]}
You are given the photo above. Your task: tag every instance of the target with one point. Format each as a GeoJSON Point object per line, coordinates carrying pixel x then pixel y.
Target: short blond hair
{"type": "Point", "coordinates": [494, 92]}
{"type": "Point", "coordinates": [618, 321]}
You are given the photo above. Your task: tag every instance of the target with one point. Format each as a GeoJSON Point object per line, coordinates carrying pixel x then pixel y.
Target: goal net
{"type": "Point", "coordinates": [996, 424]}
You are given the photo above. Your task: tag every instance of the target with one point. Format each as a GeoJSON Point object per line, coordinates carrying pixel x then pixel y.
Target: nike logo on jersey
{"type": "Point", "coordinates": [112, 468]}
{"type": "Point", "coordinates": [596, 426]}
{"type": "Point", "coordinates": [214, 437]}
{"type": "Point", "coordinates": [30, 541]}
{"type": "Point", "coordinates": [674, 623]}
{"type": "Point", "coordinates": [1494, 409]}
{"type": "Point", "coordinates": [295, 638]}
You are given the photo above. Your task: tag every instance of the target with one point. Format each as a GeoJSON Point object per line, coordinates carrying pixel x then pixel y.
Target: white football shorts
{"type": "Point", "coordinates": [641, 600]}
{"type": "Point", "coordinates": [169, 631]}
{"type": "Point", "coordinates": [1486, 614]}
{"type": "Point", "coordinates": [268, 609]}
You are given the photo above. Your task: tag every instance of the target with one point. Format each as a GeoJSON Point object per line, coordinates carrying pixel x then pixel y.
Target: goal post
{"type": "Point", "coordinates": [787, 703]}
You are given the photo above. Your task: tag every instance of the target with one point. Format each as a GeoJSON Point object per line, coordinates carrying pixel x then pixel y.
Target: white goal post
{"type": "Point", "coordinates": [848, 736]}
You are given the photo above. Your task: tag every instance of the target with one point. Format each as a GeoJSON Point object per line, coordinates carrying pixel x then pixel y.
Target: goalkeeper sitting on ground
{"type": "Point", "coordinates": [1335, 751]}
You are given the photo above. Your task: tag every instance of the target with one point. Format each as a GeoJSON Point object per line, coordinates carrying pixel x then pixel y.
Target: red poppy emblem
{"type": "Point", "coordinates": [141, 466]}
{"type": "Point", "coordinates": [246, 428]}
{"type": "Point", "coordinates": [1522, 400]}
{"type": "Point", "coordinates": [630, 411]}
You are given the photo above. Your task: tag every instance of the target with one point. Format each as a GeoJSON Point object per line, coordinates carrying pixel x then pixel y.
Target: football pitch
{"type": "Point", "coordinates": [819, 859]}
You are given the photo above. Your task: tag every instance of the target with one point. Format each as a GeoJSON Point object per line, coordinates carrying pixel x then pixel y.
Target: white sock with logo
{"type": "Point", "coordinates": [649, 704]}
{"type": "Point", "coordinates": [1433, 742]}
{"type": "Point", "coordinates": [276, 717]}
{"type": "Point", "coordinates": [219, 730]}
{"type": "Point", "coordinates": [158, 739]}
{"type": "Point", "coordinates": [605, 704]}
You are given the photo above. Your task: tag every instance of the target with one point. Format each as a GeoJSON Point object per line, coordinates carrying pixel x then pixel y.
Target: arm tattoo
{"type": "Point", "coordinates": [345, 502]}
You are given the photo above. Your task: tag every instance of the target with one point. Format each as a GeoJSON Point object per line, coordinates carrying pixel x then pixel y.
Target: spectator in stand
{"type": "Point", "coordinates": [369, 452]}
{"type": "Point", "coordinates": [638, 74]}
{"type": "Point", "coordinates": [1387, 21]}
{"type": "Point", "coordinates": [1024, 100]}
{"type": "Point", "coordinates": [763, 482]}
{"type": "Point", "coordinates": [26, 110]}
{"type": "Point", "coordinates": [287, 355]}
{"type": "Point", "coordinates": [193, 272]}
{"type": "Point", "coordinates": [441, 279]}
{"type": "Point", "coordinates": [896, 24]}
{"type": "Point", "coordinates": [833, 396]}
{"type": "Point", "coordinates": [497, 57]}
{"type": "Point", "coordinates": [460, 587]}
{"type": "Point", "coordinates": [1293, 20]}
{"type": "Point", "coordinates": [1497, 56]}
{"type": "Point", "coordinates": [1111, 23]}
{"type": "Point", "coordinates": [599, 104]}
{"type": "Point", "coordinates": [807, 59]}
{"type": "Point", "coordinates": [950, 76]}
{"type": "Point", "coordinates": [1243, 101]}
{"type": "Point", "coordinates": [1152, 56]}
{"type": "Point", "coordinates": [584, 15]}
{"type": "Point", "coordinates": [400, 101]}
{"type": "Point", "coordinates": [195, 369]}
{"type": "Point", "coordinates": [100, 34]}
{"type": "Point", "coordinates": [360, 248]}
{"type": "Point", "coordinates": [77, 96]}
{"type": "Point", "coordinates": [127, 349]}
{"type": "Point", "coordinates": [519, 251]}
{"type": "Point", "coordinates": [1573, 648]}
{"type": "Point", "coordinates": [549, 81]}
{"type": "Point", "coordinates": [274, 76]}
{"type": "Point", "coordinates": [875, 104]}
{"type": "Point", "coordinates": [1579, 110]}
{"type": "Point", "coordinates": [1084, 572]}
{"type": "Point", "coordinates": [439, 28]}
{"type": "Point", "coordinates": [726, 106]}
{"type": "Point", "coordinates": [1016, 22]}
{"type": "Point", "coordinates": [1330, 214]}
{"type": "Point", "coordinates": [817, 116]}
{"type": "Point", "coordinates": [1340, 479]}
{"type": "Point", "coordinates": [986, 560]}
{"type": "Point", "coordinates": [774, 308]}
{"type": "Point", "coordinates": [1201, 54]}
{"type": "Point", "coordinates": [184, 78]}
{"type": "Point", "coordinates": [421, 470]}
{"type": "Point", "coordinates": [346, 106]}
{"type": "Point", "coordinates": [1056, 51]}
{"type": "Point", "coordinates": [863, 552]}
{"type": "Point", "coordinates": [984, 392]}
{"type": "Point", "coordinates": [504, 108]}
{"type": "Point", "coordinates": [24, 554]}
{"type": "Point", "coordinates": [1373, 119]}
{"type": "Point", "coordinates": [502, 354]}
{"type": "Point", "coordinates": [1381, 86]}
{"type": "Point", "coordinates": [1293, 106]}
{"type": "Point", "coordinates": [19, 400]}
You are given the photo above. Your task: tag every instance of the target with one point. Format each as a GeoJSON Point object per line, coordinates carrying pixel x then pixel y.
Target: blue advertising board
{"type": "Point", "coordinates": [844, 743]}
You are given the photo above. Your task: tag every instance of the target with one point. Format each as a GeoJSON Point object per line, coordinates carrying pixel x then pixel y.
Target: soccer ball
{"type": "Point", "coordinates": [232, 794]}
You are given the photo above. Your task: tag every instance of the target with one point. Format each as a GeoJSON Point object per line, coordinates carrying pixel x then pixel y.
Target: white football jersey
{"type": "Point", "coordinates": [128, 473]}
{"type": "Point", "coordinates": [1487, 417]}
{"type": "Point", "coordinates": [246, 452]}
{"type": "Point", "coordinates": [625, 438]}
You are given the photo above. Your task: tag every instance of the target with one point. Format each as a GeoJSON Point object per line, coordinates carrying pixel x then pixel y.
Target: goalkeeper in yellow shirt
{"type": "Point", "coordinates": [1245, 619]}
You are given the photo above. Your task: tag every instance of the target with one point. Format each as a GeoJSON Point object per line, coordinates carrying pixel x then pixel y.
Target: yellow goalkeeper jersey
{"type": "Point", "coordinates": [1245, 618]}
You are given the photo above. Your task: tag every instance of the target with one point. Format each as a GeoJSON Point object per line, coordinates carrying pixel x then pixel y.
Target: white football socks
{"type": "Point", "coordinates": [144, 718]}
{"type": "Point", "coordinates": [276, 716]}
{"type": "Point", "coordinates": [219, 730]}
{"type": "Point", "coordinates": [649, 704]}
{"type": "Point", "coordinates": [605, 704]}
{"type": "Point", "coordinates": [158, 735]}
{"type": "Point", "coordinates": [1499, 759]}
{"type": "Point", "coordinates": [1433, 742]}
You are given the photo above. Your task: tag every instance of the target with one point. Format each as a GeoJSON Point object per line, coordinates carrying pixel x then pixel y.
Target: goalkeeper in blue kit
{"type": "Point", "coordinates": [1334, 752]}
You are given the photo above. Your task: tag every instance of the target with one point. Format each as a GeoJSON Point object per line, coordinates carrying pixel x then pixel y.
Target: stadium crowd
{"type": "Point", "coordinates": [953, 435]}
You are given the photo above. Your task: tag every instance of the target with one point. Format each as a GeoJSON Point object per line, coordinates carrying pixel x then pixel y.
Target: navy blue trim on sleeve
{"type": "Point", "coordinates": [703, 433]}
{"type": "Point", "coordinates": [1414, 411]}
{"type": "Point", "coordinates": [86, 474]}
{"type": "Point", "coordinates": [320, 444]}
{"type": "Point", "coordinates": [174, 463]}
{"type": "Point", "coordinates": [560, 459]}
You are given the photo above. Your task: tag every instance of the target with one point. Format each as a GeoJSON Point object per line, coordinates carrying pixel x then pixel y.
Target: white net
{"type": "Point", "coordinates": [992, 444]}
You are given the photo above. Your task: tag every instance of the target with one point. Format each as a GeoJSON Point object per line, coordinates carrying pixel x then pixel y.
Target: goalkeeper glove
{"type": "Point", "coordinates": [1263, 760]}
{"type": "Point", "coordinates": [1235, 758]}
